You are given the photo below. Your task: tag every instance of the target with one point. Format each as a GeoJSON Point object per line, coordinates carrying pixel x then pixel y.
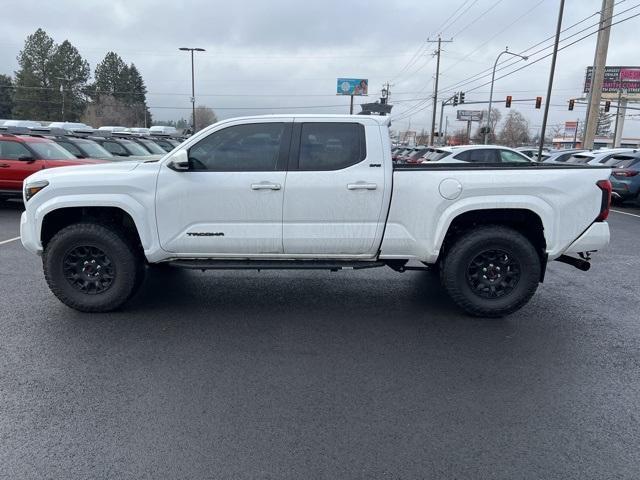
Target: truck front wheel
{"type": "Point", "coordinates": [92, 267]}
{"type": "Point", "coordinates": [491, 271]}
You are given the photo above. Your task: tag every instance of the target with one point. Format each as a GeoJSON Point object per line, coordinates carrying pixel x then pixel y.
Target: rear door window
{"type": "Point", "coordinates": [479, 155]}
{"type": "Point", "coordinates": [331, 146]}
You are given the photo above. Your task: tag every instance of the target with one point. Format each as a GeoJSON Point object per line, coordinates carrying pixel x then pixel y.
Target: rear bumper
{"type": "Point", "coordinates": [622, 190]}
{"type": "Point", "coordinates": [594, 238]}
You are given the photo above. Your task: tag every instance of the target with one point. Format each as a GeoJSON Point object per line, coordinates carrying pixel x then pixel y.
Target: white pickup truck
{"type": "Point", "coordinates": [312, 192]}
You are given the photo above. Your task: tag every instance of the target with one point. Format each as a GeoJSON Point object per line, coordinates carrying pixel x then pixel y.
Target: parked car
{"type": "Point", "coordinates": [416, 155]}
{"type": "Point", "coordinates": [149, 145]}
{"type": "Point", "coordinates": [113, 129]}
{"type": "Point", "coordinates": [167, 143]}
{"type": "Point", "coordinates": [164, 130]}
{"type": "Point", "coordinates": [559, 156]}
{"type": "Point", "coordinates": [625, 177]}
{"type": "Point", "coordinates": [70, 126]}
{"type": "Point", "coordinates": [84, 147]}
{"type": "Point", "coordinates": [597, 157]}
{"type": "Point", "coordinates": [21, 123]}
{"type": "Point", "coordinates": [122, 147]}
{"type": "Point", "coordinates": [220, 201]}
{"type": "Point", "coordinates": [22, 155]}
{"type": "Point", "coordinates": [476, 154]}
{"type": "Point", "coordinates": [531, 152]}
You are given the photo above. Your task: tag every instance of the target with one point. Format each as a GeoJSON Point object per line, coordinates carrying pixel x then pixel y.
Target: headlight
{"type": "Point", "coordinates": [30, 189]}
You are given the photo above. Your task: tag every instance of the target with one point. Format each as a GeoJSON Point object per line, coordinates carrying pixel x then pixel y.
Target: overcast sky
{"type": "Point", "coordinates": [278, 55]}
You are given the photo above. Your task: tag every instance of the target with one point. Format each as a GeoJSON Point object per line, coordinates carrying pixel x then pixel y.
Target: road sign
{"type": "Point", "coordinates": [469, 115]}
{"type": "Point", "coordinates": [616, 79]}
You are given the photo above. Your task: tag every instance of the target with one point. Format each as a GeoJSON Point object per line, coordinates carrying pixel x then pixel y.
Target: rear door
{"type": "Point", "coordinates": [12, 170]}
{"type": "Point", "coordinates": [335, 191]}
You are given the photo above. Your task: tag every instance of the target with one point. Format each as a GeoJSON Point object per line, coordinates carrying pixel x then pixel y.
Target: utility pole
{"type": "Point", "coordinates": [621, 111]}
{"type": "Point", "coordinates": [435, 90]}
{"type": "Point", "coordinates": [551, 74]}
{"type": "Point", "coordinates": [597, 74]}
{"type": "Point", "coordinates": [193, 83]}
{"type": "Point", "coordinates": [575, 133]}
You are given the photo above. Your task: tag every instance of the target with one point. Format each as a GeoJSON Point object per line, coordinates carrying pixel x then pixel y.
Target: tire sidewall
{"type": "Point", "coordinates": [113, 245]}
{"type": "Point", "coordinates": [514, 244]}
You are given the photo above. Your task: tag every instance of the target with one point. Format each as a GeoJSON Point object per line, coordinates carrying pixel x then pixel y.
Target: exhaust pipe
{"type": "Point", "coordinates": [579, 263]}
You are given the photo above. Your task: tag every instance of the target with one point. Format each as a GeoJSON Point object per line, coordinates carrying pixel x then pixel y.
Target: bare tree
{"type": "Point", "coordinates": [108, 110]}
{"type": "Point", "coordinates": [205, 116]}
{"type": "Point", "coordinates": [515, 131]}
{"type": "Point", "coordinates": [496, 116]}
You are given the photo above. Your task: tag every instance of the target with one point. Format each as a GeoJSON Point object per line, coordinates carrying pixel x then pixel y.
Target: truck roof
{"type": "Point", "coordinates": [380, 120]}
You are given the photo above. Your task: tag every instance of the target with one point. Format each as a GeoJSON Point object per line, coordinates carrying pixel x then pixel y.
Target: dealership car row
{"type": "Point", "coordinates": [27, 146]}
{"type": "Point", "coordinates": [624, 162]}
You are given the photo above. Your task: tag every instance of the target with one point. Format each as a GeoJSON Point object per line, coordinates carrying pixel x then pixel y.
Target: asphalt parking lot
{"type": "Point", "coordinates": [369, 374]}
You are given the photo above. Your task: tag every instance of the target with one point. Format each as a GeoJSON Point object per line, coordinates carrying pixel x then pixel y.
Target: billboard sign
{"type": "Point", "coordinates": [469, 115]}
{"type": "Point", "coordinates": [570, 128]}
{"type": "Point", "coordinates": [616, 79]}
{"type": "Point", "coordinates": [353, 86]}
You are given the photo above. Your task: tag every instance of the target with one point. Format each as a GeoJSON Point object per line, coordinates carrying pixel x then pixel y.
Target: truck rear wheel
{"type": "Point", "coordinates": [92, 267]}
{"type": "Point", "coordinates": [491, 271]}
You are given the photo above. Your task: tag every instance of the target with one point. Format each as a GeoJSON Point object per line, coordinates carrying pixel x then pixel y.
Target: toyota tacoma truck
{"type": "Point", "coordinates": [312, 192]}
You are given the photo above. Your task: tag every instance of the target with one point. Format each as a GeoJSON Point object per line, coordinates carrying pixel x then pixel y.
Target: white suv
{"type": "Point", "coordinates": [475, 154]}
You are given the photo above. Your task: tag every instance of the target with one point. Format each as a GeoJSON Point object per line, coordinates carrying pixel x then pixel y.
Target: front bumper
{"type": "Point", "coordinates": [28, 236]}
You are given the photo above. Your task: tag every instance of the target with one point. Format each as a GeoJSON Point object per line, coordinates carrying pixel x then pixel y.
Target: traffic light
{"type": "Point", "coordinates": [572, 102]}
{"type": "Point", "coordinates": [461, 97]}
{"type": "Point", "coordinates": [607, 106]}
{"type": "Point", "coordinates": [455, 100]}
{"type": "Point", "coordinates": [538, 102]}
{"type": "Point", "coordinates": [507, 104]}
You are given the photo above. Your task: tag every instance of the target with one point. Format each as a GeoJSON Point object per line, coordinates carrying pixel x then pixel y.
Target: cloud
{"type": "Point", "coordinates": [282, 54]}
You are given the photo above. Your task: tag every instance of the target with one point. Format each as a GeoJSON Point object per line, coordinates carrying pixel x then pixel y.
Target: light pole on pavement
{"type": "Point", "coordinates": [493, 79]}
{"type": "Point", "coordinates": [193, 87]}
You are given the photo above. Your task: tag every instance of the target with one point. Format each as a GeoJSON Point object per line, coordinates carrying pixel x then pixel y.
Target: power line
{"type": "Point", "coordinates": [537, 60]}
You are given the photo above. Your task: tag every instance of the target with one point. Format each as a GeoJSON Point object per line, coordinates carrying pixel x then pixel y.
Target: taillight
{"type": "Point", "coordinates": [625, 173]}
{"type": "Point", "coordinates": [605, 186]}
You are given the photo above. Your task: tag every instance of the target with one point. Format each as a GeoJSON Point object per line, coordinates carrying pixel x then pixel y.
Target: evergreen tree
{"type": "Point", "coordinates": [35, 95]}
{"type": "Point", "coordinates": [71, 79]}
{"type": "Point", "coordinates": [6, 96]}
{"type": "Point", "coordinates": [47, 72]}
{"type": "Point", "coordinates": [110, 76]}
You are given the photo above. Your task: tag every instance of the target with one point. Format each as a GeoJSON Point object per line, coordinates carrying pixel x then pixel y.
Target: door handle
{"type": "Point", "coordinates": [361, 186]}
{"type": "Point", "coordinates": [4, 165]}
{"type": "Point", "coordinates": [265, 186]}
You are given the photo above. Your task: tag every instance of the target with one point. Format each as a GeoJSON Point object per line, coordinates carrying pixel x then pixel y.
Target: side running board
{"type": "Point", "coordinates": [334, 266]}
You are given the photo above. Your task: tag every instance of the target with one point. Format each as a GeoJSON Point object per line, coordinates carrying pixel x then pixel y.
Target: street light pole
{"type": "Point", "coordinates": [193, 85]}
{"type": "Point", "coordinates": [493, 79]}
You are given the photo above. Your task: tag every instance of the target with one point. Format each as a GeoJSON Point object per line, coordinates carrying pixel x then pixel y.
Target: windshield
{"type": "Point", "coordinates": [93, 150]}
{"type": "Point", "coordinates": [133, 148]}
{"type": "Point", "coordinates": [50, 151]}
{"type": "Point", "coordinates": [152, 146]}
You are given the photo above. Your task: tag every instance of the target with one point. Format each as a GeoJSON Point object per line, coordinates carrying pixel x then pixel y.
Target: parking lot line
{"type": "Point", "coordinates": [625, 213]}
{"type": "Point", "coordinates": [9, 241]}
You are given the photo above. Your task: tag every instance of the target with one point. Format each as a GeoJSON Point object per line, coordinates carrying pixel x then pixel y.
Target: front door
{"type": "Point", "coordinates": [13, 170]}
{"type": "Point", "coordinates": [229, 202]}
{"type": "Point", "coordinates": [335, 192]}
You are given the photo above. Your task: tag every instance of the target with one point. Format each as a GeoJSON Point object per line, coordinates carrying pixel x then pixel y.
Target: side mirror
{"type": "Point", "coordinates": [179, 161]}
{"type": "Point", "coordinates": [26, 158]}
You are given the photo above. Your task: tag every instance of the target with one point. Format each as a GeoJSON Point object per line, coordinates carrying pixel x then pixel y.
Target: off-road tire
{"type": "Point", "coordinates": [125, 262]}
{"type": "Point", "coordinates": [455, 268]}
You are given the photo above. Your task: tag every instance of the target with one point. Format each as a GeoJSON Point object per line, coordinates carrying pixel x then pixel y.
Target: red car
{"type": "Point", "coordinates": [20, 156]}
